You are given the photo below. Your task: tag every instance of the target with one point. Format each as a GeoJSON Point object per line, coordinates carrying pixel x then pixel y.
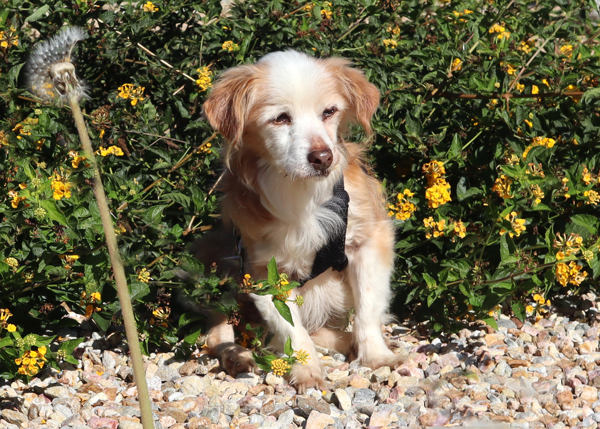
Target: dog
{"type": "Point", "coordinates": [289, 175]}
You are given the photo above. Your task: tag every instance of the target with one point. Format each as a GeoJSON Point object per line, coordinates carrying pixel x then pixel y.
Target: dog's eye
{"type": "Point", "coordinates": [328, 113]}
{"type": "Point", "coordinates": [282, 119]}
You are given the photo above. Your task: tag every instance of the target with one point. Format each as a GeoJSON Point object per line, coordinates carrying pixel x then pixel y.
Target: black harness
{"type": "Point", "coordinates": [332, 254]}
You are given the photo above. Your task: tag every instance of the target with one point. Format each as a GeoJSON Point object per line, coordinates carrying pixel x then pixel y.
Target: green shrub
{"type": "Point", "coordinates": [473, 122]}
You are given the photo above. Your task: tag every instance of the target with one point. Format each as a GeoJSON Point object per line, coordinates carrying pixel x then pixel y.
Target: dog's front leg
{"type": "Point", "coordinates": [301, 376]}
{"type": "Point", "coordinates": [369, 271]}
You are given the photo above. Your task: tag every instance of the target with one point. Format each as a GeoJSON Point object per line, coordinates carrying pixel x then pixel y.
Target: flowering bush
{"type": "Point", "coordinates": [485, 140]}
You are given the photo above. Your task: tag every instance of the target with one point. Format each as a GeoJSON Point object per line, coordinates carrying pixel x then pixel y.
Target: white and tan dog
{"type": "Point", "coordinates": [282, 120]}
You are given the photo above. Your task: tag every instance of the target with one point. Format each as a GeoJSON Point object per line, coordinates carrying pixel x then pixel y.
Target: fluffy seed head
{"type": "Point", "coordinates": [50, 70]}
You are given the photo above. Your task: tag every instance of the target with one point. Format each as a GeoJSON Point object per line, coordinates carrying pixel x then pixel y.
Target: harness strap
{"type": "Point", "coordinates": [332, 254]}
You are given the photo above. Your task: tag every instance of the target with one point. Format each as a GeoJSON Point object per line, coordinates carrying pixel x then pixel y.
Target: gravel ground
{"type": "Point", "coordinates": [531, 375]}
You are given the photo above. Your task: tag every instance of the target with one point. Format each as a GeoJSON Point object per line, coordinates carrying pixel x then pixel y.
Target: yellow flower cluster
{"type": "Point", "coordinates": [12, 263]}
{"type": "Point", "coordinates": [130, 91]}
{"type": "Point", "coordinates": [24, 128]}
{"type": "Point", "coordinates": [326, 11]}
{"type": "Point", "coordinates": [111, 150]}
{"type": "Point", "coordinates": [587, 177]}
{"type": "Point", "coordinates": [535, 170]}
{"type": "Point", "coordinates": [91, 303]}
{"type": "Point", "coordinates": [459, 230]}
{"type": "Point", "coordinates": [456, 65]}
{"type": "Point", "coordinates": [518, 225]}
{"type": "Point", "coordinates": [150, 7]}
{"type": "Point", "coordinates": [8, 38]}
{"type": "Point", "coordinates": [16, 199]}
{"type": "Point", "coordinates": [161, 315]}
{"type": "Point", "coordinates": [539, 141]}
{"type": "Point", "coordinates": [520, 87]}
{"type": "Point", "coordinates": [438, 191]}
{"type": "Point", "coordinates": [541, 307]}
{"type": "Point", "coordinates": [77, 159]}
{"type": "Point", "coordinates": [500, 30]}
{"type": "Point", "coordinates": [524, 47]}
{"type": "Point", "coordinates": [144, 275]}
{"type": "Point", "coordinates": [68, 259]}
{"type": "Point", "coordinates": [280, 367]}
{"type": "Point", "coordinates": [566, 50]}
{"type": "Point", "coordinates": [404, 209]}
{"type": "Point", "coordinates": [535, 89]}
{"type": "Point", "coordinates": [3, 138]}
{"type": "Point", "coordinates": [302, 356]}
{"type": "Point", "coordinates": [204, 80]}
{"type": "Point", "coordinates": [61, 188]}
{"type": "Point", "coordinates": [308, 7]}
{"type": "Point", "coordinates": [571, 273]}
{"type": "Point", "coordinates": [592, 196]}
{"type": "Point", "coordinates": [230, 46]}
{"type": "Point", "coordinates": [32, 361]}
{"type": "Point", "coordinates": [567, 246]}
{"type": "Point", "coordinates": [434, 229]}
{"type": "Point", "coordinates": [394, 30]}
{"type": "Point", "coordinates": [537, 193]}
{"type": "Point", "coordinates": [390, 43]}
{"type": "Point", "coordinates": [5, 314]}
{"type": "Point", "coordinates": [502, 186]}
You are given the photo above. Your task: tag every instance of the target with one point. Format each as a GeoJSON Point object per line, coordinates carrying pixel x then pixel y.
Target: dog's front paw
{"type": "Point", "coordinates": [236, 360]}
{"type": "Point", "coordinates": [303, 377]}
{"type": "Point", "coordinates": [387, 358]}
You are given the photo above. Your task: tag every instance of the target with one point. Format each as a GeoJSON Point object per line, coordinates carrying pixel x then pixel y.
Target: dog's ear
{"type": "Point", "coordinates": [229, 102]}
{"type": "Point", "coordinates": [362, 95]}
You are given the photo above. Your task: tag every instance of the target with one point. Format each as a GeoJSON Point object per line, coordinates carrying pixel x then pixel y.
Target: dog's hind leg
{"type": "Point", "coordinates": [234, 358]}
{"type": "Point", "coordinates": [334, 339]}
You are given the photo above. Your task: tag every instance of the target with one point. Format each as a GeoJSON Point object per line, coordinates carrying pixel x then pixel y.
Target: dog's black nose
{"type": "Point", "coordinates": [320, 160]}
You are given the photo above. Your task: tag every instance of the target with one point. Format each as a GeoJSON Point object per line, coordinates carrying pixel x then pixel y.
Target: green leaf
{"type": "Point", "coordinates": [431, 283]}
{"type": "Point", "coordinates": [39, 12]}
{"type": "Point", "coordinates": [462, 193]}
{"type": "Point", "coordinates": [138, 290]}
{"type": "Point", "coordinates": [54, 212]}
{"type": "Point", "coordinates": [287, 349]}
{"type": "Point", "coordinates": [102, 320]}
{"type": "Point", "coordinates": [272, 273]}
{"type": "Point", "coordinates": [193, 337]}
{"type": "Point", "coordinates": [589, 222]}
{"type": "Point", "coordinates": [491, 322]}
{"type": "Point", "coordinates": [284, 310]}
{"type": "Point", "coordinates": [507, 247]}
{"type": "Point", "coordinates": [154, 214]}
{"type": "Point", "coordinates": [518, 309]}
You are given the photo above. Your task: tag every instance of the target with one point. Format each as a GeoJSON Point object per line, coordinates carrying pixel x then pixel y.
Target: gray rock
{"type": "Point", "coordinates": [192, 385]}
{"type": "Point", "coordinates": [57, 392]}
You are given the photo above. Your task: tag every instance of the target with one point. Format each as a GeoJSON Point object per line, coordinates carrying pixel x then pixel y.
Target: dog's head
{"type": "Point", "coordinates": [287, 110]}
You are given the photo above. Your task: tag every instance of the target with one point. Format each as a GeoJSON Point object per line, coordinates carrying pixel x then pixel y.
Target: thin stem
{"type": "Point", "coordinates": [117, 265]}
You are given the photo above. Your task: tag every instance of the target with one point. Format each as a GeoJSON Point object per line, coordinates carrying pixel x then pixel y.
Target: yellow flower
{"type": "Point", "coordinates": [144, 275]}
{"type": "Point", "coordinates": [434, 229]}
{"type": "Point", "coordinates": [390, 43]}
{"type": "Point", "coordinates": [524, 47]}
{"type": "Point", "coordinates": [130, 91]}
{"type": "Point", "coordinates": [571, 273]}
{"type": "Point", "coordinates": [566, 50]}
{"type": "Point", "coordinates": [308, 7]}
{"type": "Point", "coordinates": [502, 186]}
{"type": "Point", "coordinates": [529, 309]}
{"type": "Point", "coordinates": [302, 356]}
{"type": "Point", "coordinates": [149, 7]}
{"type": "Point", "coordinates": [16, 199]}
{"type": "Point", "coordinates": [438, 194]}
{"type": "Point", "coordinates": [496, 28]}
{"type": "Point", "coordinates": [459, 229]}
{"type": "Point", "coordinates": [60, 187]}
{"type": "Point", "coordinates": [11, 328]}
{"type": "Point", "coordinates": [545, 82]}
{"type": "Point", "coordinates": [518, 225]}
{"type": "Point", "coordinates": [76, 159]}
{"type": "Point", "coordinates": [230, 46]}
{"type": "Point", "coordinates": [394, 30]}
{"type": "Point", "coordinates": [535, 90]}
{"type": "Point", "coordinates": [511, 70]}
{"type": "Point", "coordinates": [111, 150]}
{"type": "Point", "coordinates": [456, 65]}
{"type": "Point", "coordinates": [528, 122]}
{"type": "Point", "coordinates": [299, 301]}
{"type": "Point", "coordinates": [503, 35]}
{"type": "Point", "coordinates": [204, 80]}
{"type": "Point", "coordinates": [279, 367]}
{"type": "Point", "coordinates": [405, 208]}
{"type": "Point", "coordinates": [13, 263]}
{"type": "Point", "coordinates": [327, 14]}
{"type": "Point", "coordinates": [592, 196]}
{"type": "Point", "coordinates": [95, 296]}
